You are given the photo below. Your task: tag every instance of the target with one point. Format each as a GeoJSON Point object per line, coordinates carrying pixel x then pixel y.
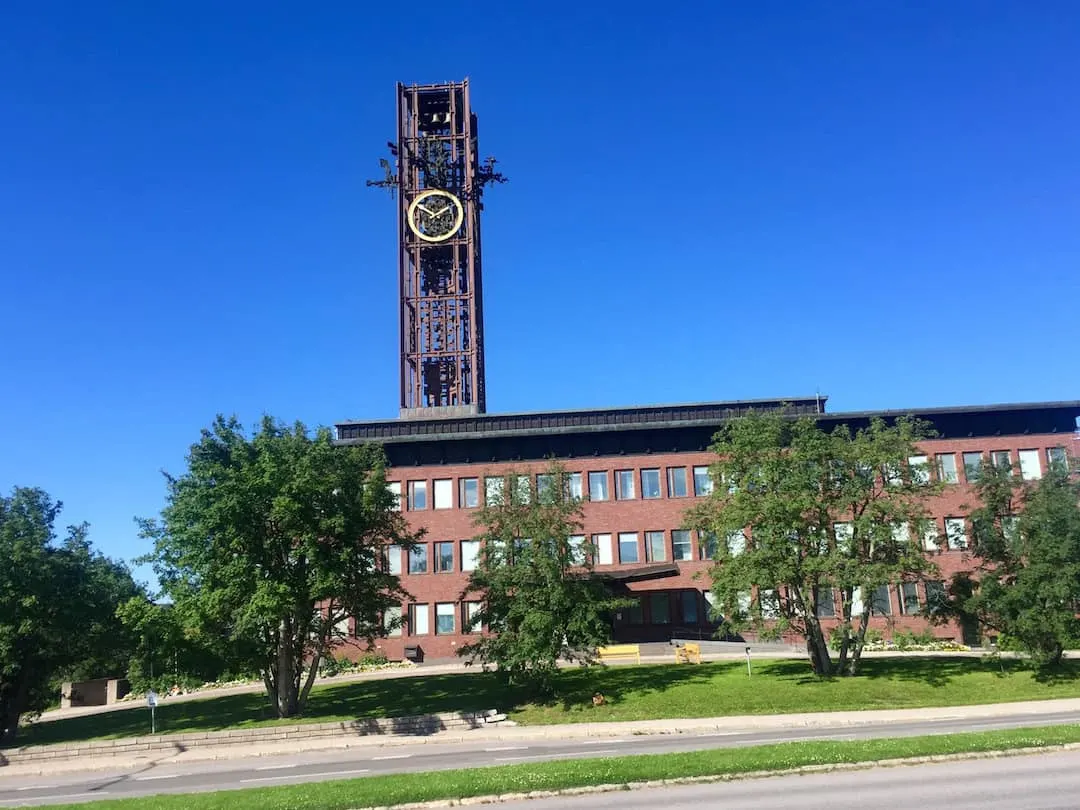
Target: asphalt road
{"type": "Point", "coordinates": [316, 766]}
{"type": "Point", "coordinates": [1038, 782]}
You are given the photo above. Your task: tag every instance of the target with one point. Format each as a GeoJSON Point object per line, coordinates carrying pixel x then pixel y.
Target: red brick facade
{"type": "Point", "coordinates": [674, 602]}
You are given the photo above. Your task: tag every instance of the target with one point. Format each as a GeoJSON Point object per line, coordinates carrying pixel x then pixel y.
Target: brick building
{"type": "Point", "coordinates": [638, 470]}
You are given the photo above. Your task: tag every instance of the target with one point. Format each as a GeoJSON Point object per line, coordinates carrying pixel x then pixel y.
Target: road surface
{"type": "Point", "coordinates": [150, 778]}
{"type": "Point", "coordinates": [1037, 782]}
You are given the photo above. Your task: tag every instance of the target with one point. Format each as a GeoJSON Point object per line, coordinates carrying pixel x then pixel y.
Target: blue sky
{"type": "Point", "coordinates": [707, 201]}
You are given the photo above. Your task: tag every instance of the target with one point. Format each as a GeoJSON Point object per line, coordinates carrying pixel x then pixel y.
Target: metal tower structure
{"type": "Point", "coordinates": [438, 180]}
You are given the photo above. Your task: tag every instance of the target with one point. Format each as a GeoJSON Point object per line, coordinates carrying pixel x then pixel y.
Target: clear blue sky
{"type": "Point", "coordinates": [880, 201]}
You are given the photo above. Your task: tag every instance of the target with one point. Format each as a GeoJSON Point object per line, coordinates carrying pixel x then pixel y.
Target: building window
{"type": "Point", "coordinates": [634, 614]}
{"type": "Point", "coordinates": [544, 484]}
{"type": "Point", "coordinates": [522, 489]}
{"type": "Point", "coordinates": [680, 545]}
{"type": "Point", "coordinates": [660, 608]}
{"type": "Point", "coordinates": [736, 542]}
{"type": "Point", "coordinates": [1030, 469]}
{"type": "Point", "coordinates": [1001, 459]}
{"type": "Point", "coordinates": [395, 490]}
{"type": "Point", "coordinates": [628, 547]}
{"type": "Point", "coordinates": [624, 485]}
{"type": "Point", "coordinates": [930, 536]}
{"type": "Point", "coordinates": [769, 600]}
{"type": "Point", "coordinates": [702, 482]}
{"type": "Point", "coordinates": [470, 554]}
{"type": "Point", "coordinates": [690, 611]}
{"type": "Point", "coordinates": [1057, 459]}
{"type": "Point", "coordinates": [946, 468]}
{"type": "Point", "coordinates": [444, 557]}
{"type": "Point", "coordinates": [844, 534]}
{"type": "Point", "coordinates": [676, 482]}
{"type": "Point", "coordinates": [920, 469]}
{"type": "Point", "coordinates": [393, 560]}
{"type": "Point", "coordinates": [650, 484]}
{"type": "Point", "coordinates": [955, 534]}
{"type": "Point", "coordinates": [392, 621]}
{"type": "Point", "coordinates": [443, 493]}
{"type": "Point", "coordinates": [826, 604]}
{"type": "Point", "coordinates": [936, 598]}
{"type": "Point", "coordinates": [418, 620]}
{"type": "Point", "coordinates": [493, 490]}
{"type": "Point", "coordinates": [655, 547]}
{"type": "Point", "coordinates": [972, 466]}
{"type": "Point", "coordinates": [892, 474]}
{"type": "Point", "coordinates": [469, 493]}
{"type": "Point", "coordinates": [1010, 527]}
{"type": "Point", "coordinates": [598, 486]}
{"type": "Point", "coordinates": [418, 559]}
{"type": "Point", "coordinates": [417, 495]}
{"type": "Point", "coordinates": [577, 548]}
{"type": "Point", "coordinates": [602, 544]}
{"type": "Point", "coordinates": [909, 598]}
{"type": "Point", "coordinates": [881, 604]}
{"type": "Point", "coordinates": [707, 545]}
{"type": "Point", "coordinates": [444, 618]}
{"type": "Point", "coordinates": [471, 620]}
{"type": "Point", "coordinates": [573, 486]}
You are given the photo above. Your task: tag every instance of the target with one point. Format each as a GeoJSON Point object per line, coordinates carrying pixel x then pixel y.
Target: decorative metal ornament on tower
{"type": "Point", "coordinates": [438, 180]}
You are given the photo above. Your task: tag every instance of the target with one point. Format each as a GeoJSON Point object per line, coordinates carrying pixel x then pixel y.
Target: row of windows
{"type": "Point", "coordinates": [449, 616]}
{"type": "Point", "coordinates": [628, 548]}
{"type": "Point", "coordinates": [682, 482]}
{"type": "Point", "coordinates": [628, 485]}
{"type": "Point", "coordinates": [1028, 463]}
{"type": "Point", "coordinates": [902, 598]}
{"type": "Point", "coordinates": [606, 548]}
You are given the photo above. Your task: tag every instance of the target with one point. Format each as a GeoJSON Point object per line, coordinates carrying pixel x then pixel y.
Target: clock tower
{"type": "Point", "coordinates": [437, 179]}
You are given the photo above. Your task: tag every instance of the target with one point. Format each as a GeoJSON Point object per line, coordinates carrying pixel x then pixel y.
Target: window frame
{"type": "Point", "coordinates": [439, 548]}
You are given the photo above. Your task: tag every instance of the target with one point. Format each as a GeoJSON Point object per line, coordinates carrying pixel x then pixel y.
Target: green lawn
{"type": "Point", "coordinates": [632, 693]}
{"type": "Point", "coordinates": [433, 785]}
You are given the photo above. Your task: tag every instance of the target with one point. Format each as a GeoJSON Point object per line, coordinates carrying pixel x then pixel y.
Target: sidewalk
{"type": "Point", "coordinates": [486, 735]}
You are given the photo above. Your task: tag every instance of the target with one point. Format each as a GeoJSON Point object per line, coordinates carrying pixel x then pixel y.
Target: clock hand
{"type": "Point", "coordinates": [441, 211]}
{"type": "Point", "coordinates": [425, 209]}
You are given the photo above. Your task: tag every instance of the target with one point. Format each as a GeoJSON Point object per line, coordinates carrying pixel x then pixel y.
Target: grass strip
{"type": "Point", "coordinates": [431, 785]}
{"type": "Point", "coordinates": [645, 692]}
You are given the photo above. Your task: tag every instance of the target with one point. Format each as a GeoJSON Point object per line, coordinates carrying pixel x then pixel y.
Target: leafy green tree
{"type": "Point", "coordinates": [826, 512]}
{"type": "Point", "coordinates": [167, 652]}
{"type": "Point", "coordinates": [272, 543]}
{"type": "Point", "coordinates": [1027, 539]}
{"type": "Point", "coordinates": [541, 598]}
{"type": "Point", "coordinates": [57, 607]}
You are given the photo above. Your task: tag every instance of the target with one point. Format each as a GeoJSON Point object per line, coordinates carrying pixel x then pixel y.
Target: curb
{"type": "Point", "coordinates": [730, 777]}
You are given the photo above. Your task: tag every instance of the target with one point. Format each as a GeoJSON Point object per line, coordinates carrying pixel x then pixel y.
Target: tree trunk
{"type": "Point", "coordinates": [817, 648]}
{"type": "Point", "coordinates": [312, 672]}
{"type": "Point", "coordinates": [11, 707]}
{"type": "Point", "coordinates": [844, 628]}
{"type": "Point", "coordinates": [860, 641]}
{"type": "Point", "coordinates": [286, 698]}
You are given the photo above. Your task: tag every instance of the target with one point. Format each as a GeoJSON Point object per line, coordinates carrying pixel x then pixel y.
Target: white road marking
{"type": "Point", "coordinates": [267, 779]}
{"type": "Point", "coordinates": [38, 787]}
{"type": "Point", "coordinates": [549, 756]}
{"type": "Point", "coordinates": [338, 773]}
{"type": "Point", "coordinates": [277, 767]}
{"type": "Point", "coordinates": [602, 742]}
{"type": "Point", "coordinates": [394, 756]}
{"type": "Point", "coordinates": [150, 778]}
{"type": "Point", "coordinates": [508, 748]}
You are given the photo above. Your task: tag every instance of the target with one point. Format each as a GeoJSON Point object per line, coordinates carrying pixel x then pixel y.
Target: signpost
{"type": "Point", "coordinates": [151, 701]}
{"type": "Point", "coordinates": [748, 673]}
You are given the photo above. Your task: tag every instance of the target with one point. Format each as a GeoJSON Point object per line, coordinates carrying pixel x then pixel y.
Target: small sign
{"type": "Point", "coordinates": [151, 699]}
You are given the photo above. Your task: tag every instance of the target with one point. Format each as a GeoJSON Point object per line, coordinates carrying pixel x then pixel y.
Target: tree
{"type": "Point", "coordinates": [57, 607]}
{"type": "Point", "coordinates": [541, 598]}
{"type": "Point", "coordinates": [827, 512]}
{"type": "Point", "coordinates": [1027, 539]}
{"type": "Point", "coordinates": [272, 543]}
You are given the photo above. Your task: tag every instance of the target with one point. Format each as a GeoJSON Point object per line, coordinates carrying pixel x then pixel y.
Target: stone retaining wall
{"type": "Point", "coordinates": [418, 725]}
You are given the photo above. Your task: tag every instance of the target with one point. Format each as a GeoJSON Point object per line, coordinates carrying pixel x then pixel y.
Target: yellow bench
{"type": "Point", "coordinates": [620, 652]}
{"type": "Point", "coordinates": [689, 653]}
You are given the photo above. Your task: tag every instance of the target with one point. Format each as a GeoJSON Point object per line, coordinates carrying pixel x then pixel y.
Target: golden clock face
{"type": "Point", "coordinates": [435, 215]}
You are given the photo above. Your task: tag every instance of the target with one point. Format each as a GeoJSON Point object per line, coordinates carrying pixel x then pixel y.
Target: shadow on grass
{"type": "Point", "coordinates": [576, 687]}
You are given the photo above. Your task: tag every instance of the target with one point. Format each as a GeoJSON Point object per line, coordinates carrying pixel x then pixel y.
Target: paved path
{"type": "Point", "coordinates": [287, 763]}
{"type": "Point", "coordinates": [1037, 782]}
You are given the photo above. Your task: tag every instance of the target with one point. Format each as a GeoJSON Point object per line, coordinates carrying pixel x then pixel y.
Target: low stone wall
{"type": "Point", "coordinates": [418, 725]}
